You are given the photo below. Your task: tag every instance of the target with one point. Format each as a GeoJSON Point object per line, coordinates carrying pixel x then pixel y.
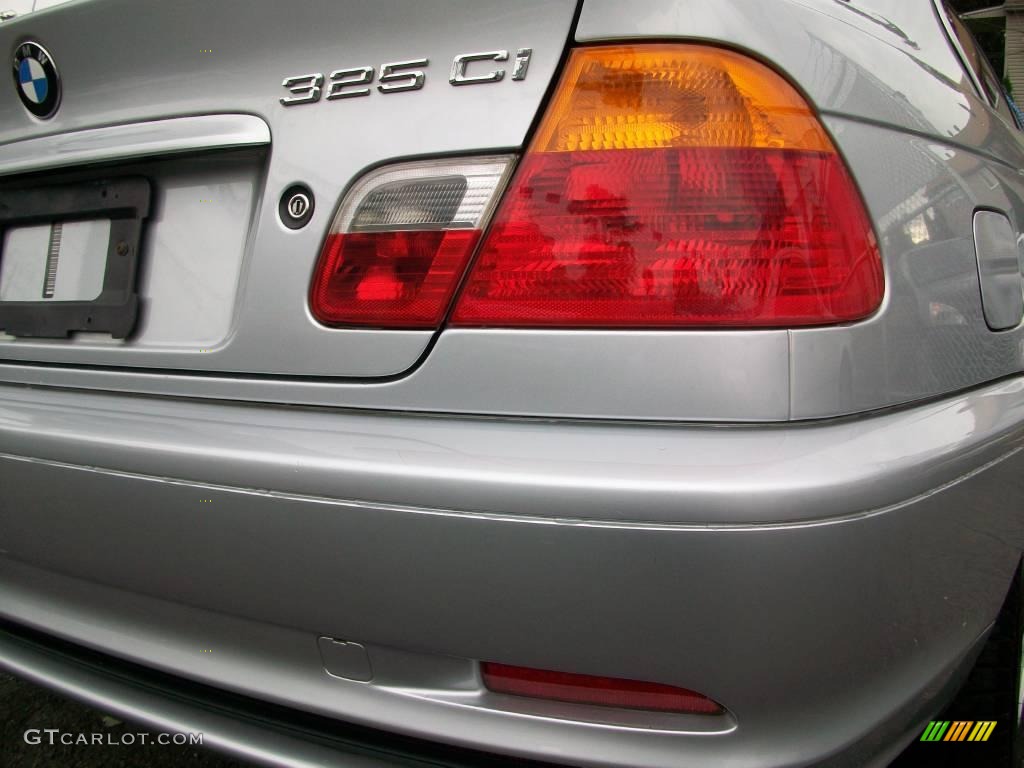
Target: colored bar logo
{"type": "Point", "coordinates": [958, 730]}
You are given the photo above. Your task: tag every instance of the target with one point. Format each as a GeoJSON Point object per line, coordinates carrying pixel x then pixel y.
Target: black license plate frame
{"type": "Point", "coordinates": [126, 202]}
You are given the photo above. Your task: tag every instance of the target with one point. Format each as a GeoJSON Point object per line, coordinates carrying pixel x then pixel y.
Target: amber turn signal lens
{"type": "Point", "coordinates": [675, 96]}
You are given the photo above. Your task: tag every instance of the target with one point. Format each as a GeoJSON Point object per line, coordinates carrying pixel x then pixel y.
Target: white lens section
{"type": "Point", "coordinates": [64, 261]}
{"type": "Point", "coordinates": [434, 194]}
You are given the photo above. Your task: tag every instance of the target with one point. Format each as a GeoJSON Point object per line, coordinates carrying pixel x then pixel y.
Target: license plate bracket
{"type": "Point", "coordinates": [125, 202]}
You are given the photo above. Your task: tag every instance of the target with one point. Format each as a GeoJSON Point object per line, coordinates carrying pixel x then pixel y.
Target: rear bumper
{"type": "Point", "coordinates": [246, 727]}
{"type": "Point", "coordinates": [827, 583]}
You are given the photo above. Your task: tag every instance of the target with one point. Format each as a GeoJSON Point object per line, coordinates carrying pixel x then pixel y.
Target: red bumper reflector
{"type": "Point", "coordinates": [589, 689]}
{"type": "Point", "coordinates": [402, 279]}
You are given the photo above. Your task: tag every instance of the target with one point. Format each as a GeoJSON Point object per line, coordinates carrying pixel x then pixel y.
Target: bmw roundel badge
{"type": "Point", "coordinates": [36, 80]}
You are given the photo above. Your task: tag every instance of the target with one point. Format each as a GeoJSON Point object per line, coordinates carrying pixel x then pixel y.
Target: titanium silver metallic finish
{"type": "Point", "coordinates": [326, 146]}
{"type": "Point", "coordinates": [925, 149]}
{"type": "Point", "coordinates": [1002, 290]}
{"type": "Point", "coordinates": [346, 660]}
{"type": "Point", "coordinates": [160, 713]}
{"type": "Point", "coordinates": [707, 376]}
{"type": "Point", "coordinates": [829, 371]}
{"type": "Point", "coordinates": [260, 648]}
{"type": "Point", "coordinates": [930, 335]}
{"type": "Point", "coordinates": [609, 533]}
{"type": "Point", "coordinates": [603, 472]}
{"type": "Point", "coordinates": [522, 496]}
{"type": "Point", "coordinates": [940, 9]}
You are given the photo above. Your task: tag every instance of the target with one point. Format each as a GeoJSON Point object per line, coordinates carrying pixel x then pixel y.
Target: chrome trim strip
{"type": "Point", "coordinates": [123, 142]}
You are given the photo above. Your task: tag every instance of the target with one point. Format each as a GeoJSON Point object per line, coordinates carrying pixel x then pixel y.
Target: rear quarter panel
{"type": "Point", "coordinates": [927, 152]}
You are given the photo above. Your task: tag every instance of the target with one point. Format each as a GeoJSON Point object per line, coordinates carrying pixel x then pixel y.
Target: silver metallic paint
{"type": "Point", "coordinates": [161, 713]}
{"type": "Point", "coordinates": [527, 547]}
{"type": "Point", "coordinates": [514, 372]}
{"type": "Point", "coordinates": [931, 336]}
{"type": "Point", "coordinates": [918, 140]}
{"type": "Point", "coordinates": [612, 473]}
{"type": "Point", "coordinates": [326, 146]}
{"type": "Point", "coordinates": [1002, 292]}
{"type": "Point", "coordinates": [827, 581]}
{"type": "Point", "coordinates": [917, 136]}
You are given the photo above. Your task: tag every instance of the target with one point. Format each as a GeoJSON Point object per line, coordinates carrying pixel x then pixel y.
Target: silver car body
{"type": "Point", "coordinates": [814, 527]}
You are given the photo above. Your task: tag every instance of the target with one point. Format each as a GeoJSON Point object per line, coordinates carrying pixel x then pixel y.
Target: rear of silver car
{"type": "Point", "coordinates": [295, 529]}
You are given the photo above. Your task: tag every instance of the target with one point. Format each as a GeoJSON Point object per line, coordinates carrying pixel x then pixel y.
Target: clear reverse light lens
{"type": "Point", "coordinates": [401, 240]}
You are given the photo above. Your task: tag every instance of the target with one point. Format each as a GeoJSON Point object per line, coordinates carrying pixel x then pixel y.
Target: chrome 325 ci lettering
{"type": "Point", "coordinates": [398, 76]}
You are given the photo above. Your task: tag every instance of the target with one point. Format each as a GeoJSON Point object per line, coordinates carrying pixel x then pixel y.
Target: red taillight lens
{"type": "Point", "coordinates": [401, 240]}
{"type": "Point", "coordinates": [394, 279]}
{"type": "Point", "coordinates": [675, 186]}
{"type": "Point", "coordinates": [589, 689]}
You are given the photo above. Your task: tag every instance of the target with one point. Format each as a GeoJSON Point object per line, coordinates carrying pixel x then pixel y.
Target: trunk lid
{"type": "Point", "coordinates": [188, 95]}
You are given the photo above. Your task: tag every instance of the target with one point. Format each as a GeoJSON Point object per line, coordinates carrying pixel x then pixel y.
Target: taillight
{"type": "Point", "coordinates": [674, 186]}
{"type": "Point", "coordinates": [401, 240]}
{"type": "Point", "coordinates": [591, 689]}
